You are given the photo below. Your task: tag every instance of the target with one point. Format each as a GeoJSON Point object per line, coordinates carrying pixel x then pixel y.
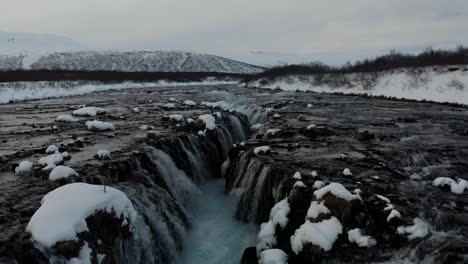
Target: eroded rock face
{"type": "Point", "coordinates": [393, 149]}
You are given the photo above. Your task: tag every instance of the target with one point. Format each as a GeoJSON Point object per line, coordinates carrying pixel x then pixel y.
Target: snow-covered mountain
{"type": "Point", "coordinates": [131, 61]}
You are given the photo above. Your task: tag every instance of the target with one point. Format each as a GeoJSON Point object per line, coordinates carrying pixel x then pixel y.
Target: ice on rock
{"type": "Point", "coordinates": [322, 234]}
{"type": "Point", "coordinates": [316, 209]}
{"type": "Point", "coordinates": [318, 184]}
{"type": "Point", "coordinates": [103, 154]}
{"type": "Point", "coordinates": [279, 213]}
{"type": "Point", "coordinates": [276, 116]}
{"type": "Point", "coordinates": [172, 99]}
{"type": "Point", "coordinates": [96, 125]}
{"type": "Point", "coordinates": [176, 117]}
{"type": "Point", "coordinates": [355, 236]}
{"type": "Point", "coordinates": [314, 174]}
{"type": "Point", "coordinates": [169, 105]}
{"type": "Point", "coordinates": [278, 216]}
{"type": "Point", "coordinates": [209, 121]}
{"type": "Point", "coordinates": [262, 149]}
{"type": "Point", "coordinates": [419, 229]}
{"type": "Point", "coordinates": [189, 102]}
{"type": "Point", "coordinates": [202, 133]}
{"type": "Point", "coordinates": [266, 237]}
{"type": "Point", "coordinates": [25, 167]}
{"type": "Point", "coordinates": [66, 119]}
{"type": "Point", "coordinates": [383, 198]}
{"type": "Point", "coordinates": [272, 132]}
{"type": "Point", "coordinates": [256, 127]}
{"type": "Point", "coordinates": [89, 111]}
{"type": "Point", "coordinates": [455, 187]}
{"type": "Point", "coordinates": [62, 172]}
{"type": "Point", "coordinates": [190, 120]}
{"type": "Point", "coordinates": [347, 172]}
{"type": "Point", "coordinates": [394, 213]}
{"type": "Point", "coordinates": [299, 184]}
{"type": "Point", "coordinates": [218, 115]}
{"type": "Point", "coordinates": [309, 127]}
{"type": "Point", "coordinates": [136, 110]}
{"type": "Point", "coordinates": [143, 127]}
{"type": "Point", "coordinates": [63, 211]}
{"type": "Point", "coordinates": [84, 256]}
{"type": "Point", "coordinates": [51, 149]}
{"type": "Point", "coordinates": [273, 256]}
{"type": "Point", "coordinates": [297, 176]}
{"type": "Point", "coordinates": [337, 190]}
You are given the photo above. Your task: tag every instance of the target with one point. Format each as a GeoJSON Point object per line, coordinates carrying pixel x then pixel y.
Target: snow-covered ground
{"type": "Point", "coordinates": [128, 61]}
{"type": "Point", "coordinates": [438, 84]}
{"type": "Point", "coordinates": [25, 91]}
{"type": "Point", "coordinates": [216, 237]}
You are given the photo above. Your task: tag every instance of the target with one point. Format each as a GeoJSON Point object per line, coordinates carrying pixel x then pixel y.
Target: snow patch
{"type": "Point", "coordinates": [419, 229]}
{"type": "Point", "coordinates": [355, 236]}
{"type": "Point", "coordinates": [455, 187]}
{"type": "Point", "coordinates": [89, 111]}
{"type": "Point", "coordinates": [316, 209]}
{"type": "Point", "coordinates": [337, 190]}
{"type": "Point", "coordinates": [262, 149]}
{"type": "Point", "coordinates": [66, 119]}
{"type": "Point", "coordinates": [96, 125]}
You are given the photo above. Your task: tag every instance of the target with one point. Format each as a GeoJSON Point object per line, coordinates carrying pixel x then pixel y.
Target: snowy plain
{"type": "Point", "coordinates": [26, 91]}
{"type": "Point", "coordinates": [437, 84]}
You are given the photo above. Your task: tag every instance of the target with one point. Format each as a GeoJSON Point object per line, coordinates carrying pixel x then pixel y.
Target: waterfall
{"type": "Point", "coordinates": [181, 185]}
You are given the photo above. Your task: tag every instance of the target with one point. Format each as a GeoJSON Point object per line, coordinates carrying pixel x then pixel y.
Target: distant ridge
{"type": "Point", "coordinates": [130, 61]}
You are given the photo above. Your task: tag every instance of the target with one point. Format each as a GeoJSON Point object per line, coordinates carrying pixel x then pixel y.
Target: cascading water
{"type": "Point", "coordinates": [216, 237]}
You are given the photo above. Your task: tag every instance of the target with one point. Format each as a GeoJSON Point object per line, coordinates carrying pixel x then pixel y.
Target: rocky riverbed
{"type": "Point", "coordinates": [271, 147]}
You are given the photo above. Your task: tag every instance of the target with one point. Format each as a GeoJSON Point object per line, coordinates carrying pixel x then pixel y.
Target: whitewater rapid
{"type": "Point", "coordinates": [216, 237]}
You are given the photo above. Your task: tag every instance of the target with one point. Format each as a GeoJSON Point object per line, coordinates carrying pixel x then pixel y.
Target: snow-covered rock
{"type": "Point", "coordinates": [262, 150]}
{"type": "Point", "coordinates": [266, 237]}
{"type": "Point", "coordinates": [299, 184]}
{"type": "Point", "coordinates": [66, 119]}
{"type": "Point", "coordinates": [62, 172]}
{"type": "Point", "coordinates": [455, 187]}
{"type": "Point", "coordinates": [256, 127]}
{"type": "Point", "coordinates": [355, 236]}
{"type": "Point", "coordinates": [272, 132]}
{"type": "Point", "coordinates": [273, 256]}
{"type": "Point", "coordinates": [103, 154]}
{"type": "Point", "coordinates": [279, 213]}
{"type": "Point", "coordinates": [51, 161]}
{"type": "Point", "coordinates": [419, 229]}
{"type": "Point", "coordinates": [347, 172]}
{"type": "Point", "coordinates": [169, 105]}
{"type": "Point", "coordinates": [176, 117]}
{"type": "Point", "coordinates": [393, 214]}
{"type": "Point", "coordinates": [317, 208]}
{"type": "Point", "coordinates": [336, 189]}
{"type": "Point", "coordinates": [89, 111]}
{"type": "Point", "coordinates": [63, 212]}
{"type": "Point", "coordinates": [209, 121]}
{"type": "Point", "coordinates": [297, 176]}
{"type": "Point", "coordinates": [51, 149]}
{"type": "Point", "coordinates": [322, 234]}
{"type": "Point", "coordinates": [189, 102]}
{"type": "Point", "coordinates": [25, 167]}
{"type": "Point", "coordinates": [96, 125]}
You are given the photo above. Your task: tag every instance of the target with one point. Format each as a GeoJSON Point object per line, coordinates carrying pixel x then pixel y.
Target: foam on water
{"type": "Point", "coordinates": [216, 237]}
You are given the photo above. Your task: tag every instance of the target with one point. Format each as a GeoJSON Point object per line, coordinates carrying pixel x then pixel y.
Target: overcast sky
{"type": "Point", "coordinates": [328, 30]}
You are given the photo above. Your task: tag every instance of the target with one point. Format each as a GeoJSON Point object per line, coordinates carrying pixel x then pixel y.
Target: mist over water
{"type": "Point", "coordinates": [216, 237]}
